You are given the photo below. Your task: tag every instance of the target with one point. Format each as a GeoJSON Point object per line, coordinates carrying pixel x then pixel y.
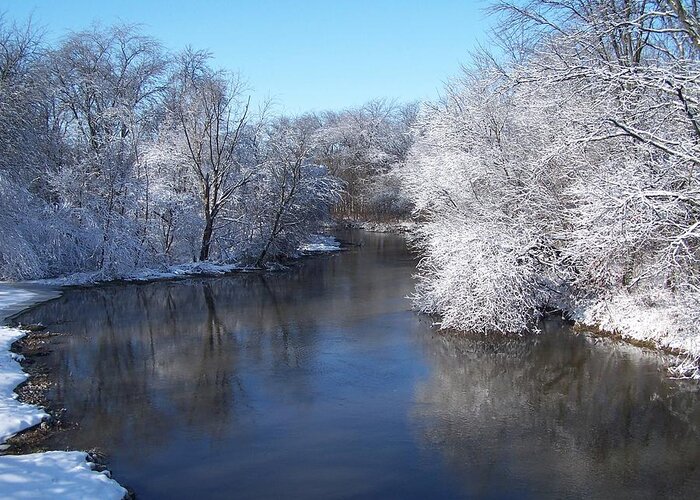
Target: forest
{"type": "Point", "coordinates": [558, 170]}
{"type": "Point", "coordinates": [210, 296]}
{"type": "Point", "coordinates": [119, 156]}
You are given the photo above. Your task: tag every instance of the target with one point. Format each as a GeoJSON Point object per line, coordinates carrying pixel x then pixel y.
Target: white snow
{"type": "Point", "coordinates": [320, 243]}
{"type": "Point", "coordinates": [54, 474]}
{"type": "Point", "coordinates": [166, 272]}
{"type": "Point", "coordinates": [14, 416]}
{"type": "Point", "coordinates": [316, 243]}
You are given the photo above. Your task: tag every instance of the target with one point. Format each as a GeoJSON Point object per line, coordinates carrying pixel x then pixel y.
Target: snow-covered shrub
{"type": "Point", "coordinates": [565, 173]}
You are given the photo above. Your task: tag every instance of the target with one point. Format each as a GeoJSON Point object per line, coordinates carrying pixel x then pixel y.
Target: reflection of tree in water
{"type": "Point", "coordinates": [141, 360]}
{"type": "Point", "coordinates": [555, 414]}
{"type": "Point", "coordinates": [145, 366]}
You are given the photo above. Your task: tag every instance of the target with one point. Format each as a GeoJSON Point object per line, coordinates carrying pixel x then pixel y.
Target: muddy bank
{"type": "Point", "coordinates": [32, 348]}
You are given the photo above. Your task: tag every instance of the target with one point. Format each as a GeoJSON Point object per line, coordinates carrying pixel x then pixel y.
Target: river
{"type": "Point", "coordinates": [320, 382]}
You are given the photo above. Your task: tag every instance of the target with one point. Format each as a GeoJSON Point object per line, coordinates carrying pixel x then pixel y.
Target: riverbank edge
{"type": "Point", "coordinates": [652, 332]}
{"type": "Point", "coordinates": [620, 317]}
{"type": "Point", "coordinates": [679, 363]}
{"type": "Point", "coordinates": [617, 318]}
{"type": "Point", "coordinates": [318, 245]}
{"type": "Point", "coordinates": [43, 474]}
{"type": "Point", "coordinates": [396, 227]}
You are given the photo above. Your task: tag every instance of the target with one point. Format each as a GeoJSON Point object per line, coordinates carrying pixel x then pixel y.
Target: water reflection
{"type": "Point", "coordinates": [558, 415]}
{"type": "Point", "coordinates": [321, 383]}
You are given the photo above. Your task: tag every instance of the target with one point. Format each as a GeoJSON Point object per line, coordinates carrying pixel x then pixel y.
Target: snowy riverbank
{"type": "Point", "coordinates": [378, 227]}
{"type": "Point", "coordinates": [55, 474]}
{"type": "Point", "coordinates": [316, 244]}
{"type": "Point", "coordinates": [662, 322]}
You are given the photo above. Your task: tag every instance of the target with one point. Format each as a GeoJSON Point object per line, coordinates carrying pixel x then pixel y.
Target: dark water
{"type": "Point", "coordinates": [321, 383]}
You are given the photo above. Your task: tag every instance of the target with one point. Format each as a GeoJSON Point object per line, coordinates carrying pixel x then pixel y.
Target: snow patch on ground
{"type": "Point", "coordinates": [660, 319]}
{"type": "Point", "coordinates": [317, 243]}
{"type": "Point", "coordinates": [54, 474]}
{"type": "Point", "coordinates": [14, 415]}
{"type": "Point", "coordinates": [176, 271]}
{"type": "Point", "coordinates": [320, 243]}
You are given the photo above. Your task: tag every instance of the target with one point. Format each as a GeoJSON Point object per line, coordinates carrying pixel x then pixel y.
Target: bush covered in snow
{"type": "Point", "coordinates": [564, 173]}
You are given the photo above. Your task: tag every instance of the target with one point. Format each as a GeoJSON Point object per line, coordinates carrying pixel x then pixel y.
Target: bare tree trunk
{"type": "Point", "coordinates": [206, 239]}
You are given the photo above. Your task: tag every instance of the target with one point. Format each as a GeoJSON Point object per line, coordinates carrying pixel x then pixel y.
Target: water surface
{"type": "Point", "coordinates": [320, 382]}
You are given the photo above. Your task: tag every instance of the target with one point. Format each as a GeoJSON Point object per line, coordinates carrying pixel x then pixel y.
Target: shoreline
{"type": "Point", "coordinates": [679, 363]}
{"type": "Point", "coordinates": [27, 416]}
{"type": "Point", "coordinates": [682, 364]}
{"type": "Point", "coordinates": [661, 325]}
{"type": "Point", "coordinates": [396, 227]}
{"type": "Point", "coordinates": [43, 474]}
{"type": "Point", "coordinates": [318, 245]}
{"type": "Point", "coordinates": [620, 317]}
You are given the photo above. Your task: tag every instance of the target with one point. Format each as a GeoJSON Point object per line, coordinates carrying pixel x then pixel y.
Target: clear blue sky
{"type": "Point", "coordinates": [306, 54]}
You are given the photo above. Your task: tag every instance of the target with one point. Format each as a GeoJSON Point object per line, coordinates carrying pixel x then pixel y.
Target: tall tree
{"type": "Point", "coordinates": [297, 193]}
{"type": "Point", "coordinates": [209, 112]}
{"type": "Point", "coordinates": [107, 85]}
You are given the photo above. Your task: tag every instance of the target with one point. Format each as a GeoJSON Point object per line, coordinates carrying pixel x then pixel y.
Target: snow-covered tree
{"type": "Point", "coordinates": [117, 155]}
{"type": "Point", "coordinates": [207, 114]}
{"type": "Point", "coordinates": [562, 172]}
{"type": "Point", "coordinates": [363, 146]}
{"type": "Point", "coordinates": [106, 84]}
{"type": "Point", "coordinates": [22, 136]}
{"type": "Point", "coordinates": [296, 194]}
